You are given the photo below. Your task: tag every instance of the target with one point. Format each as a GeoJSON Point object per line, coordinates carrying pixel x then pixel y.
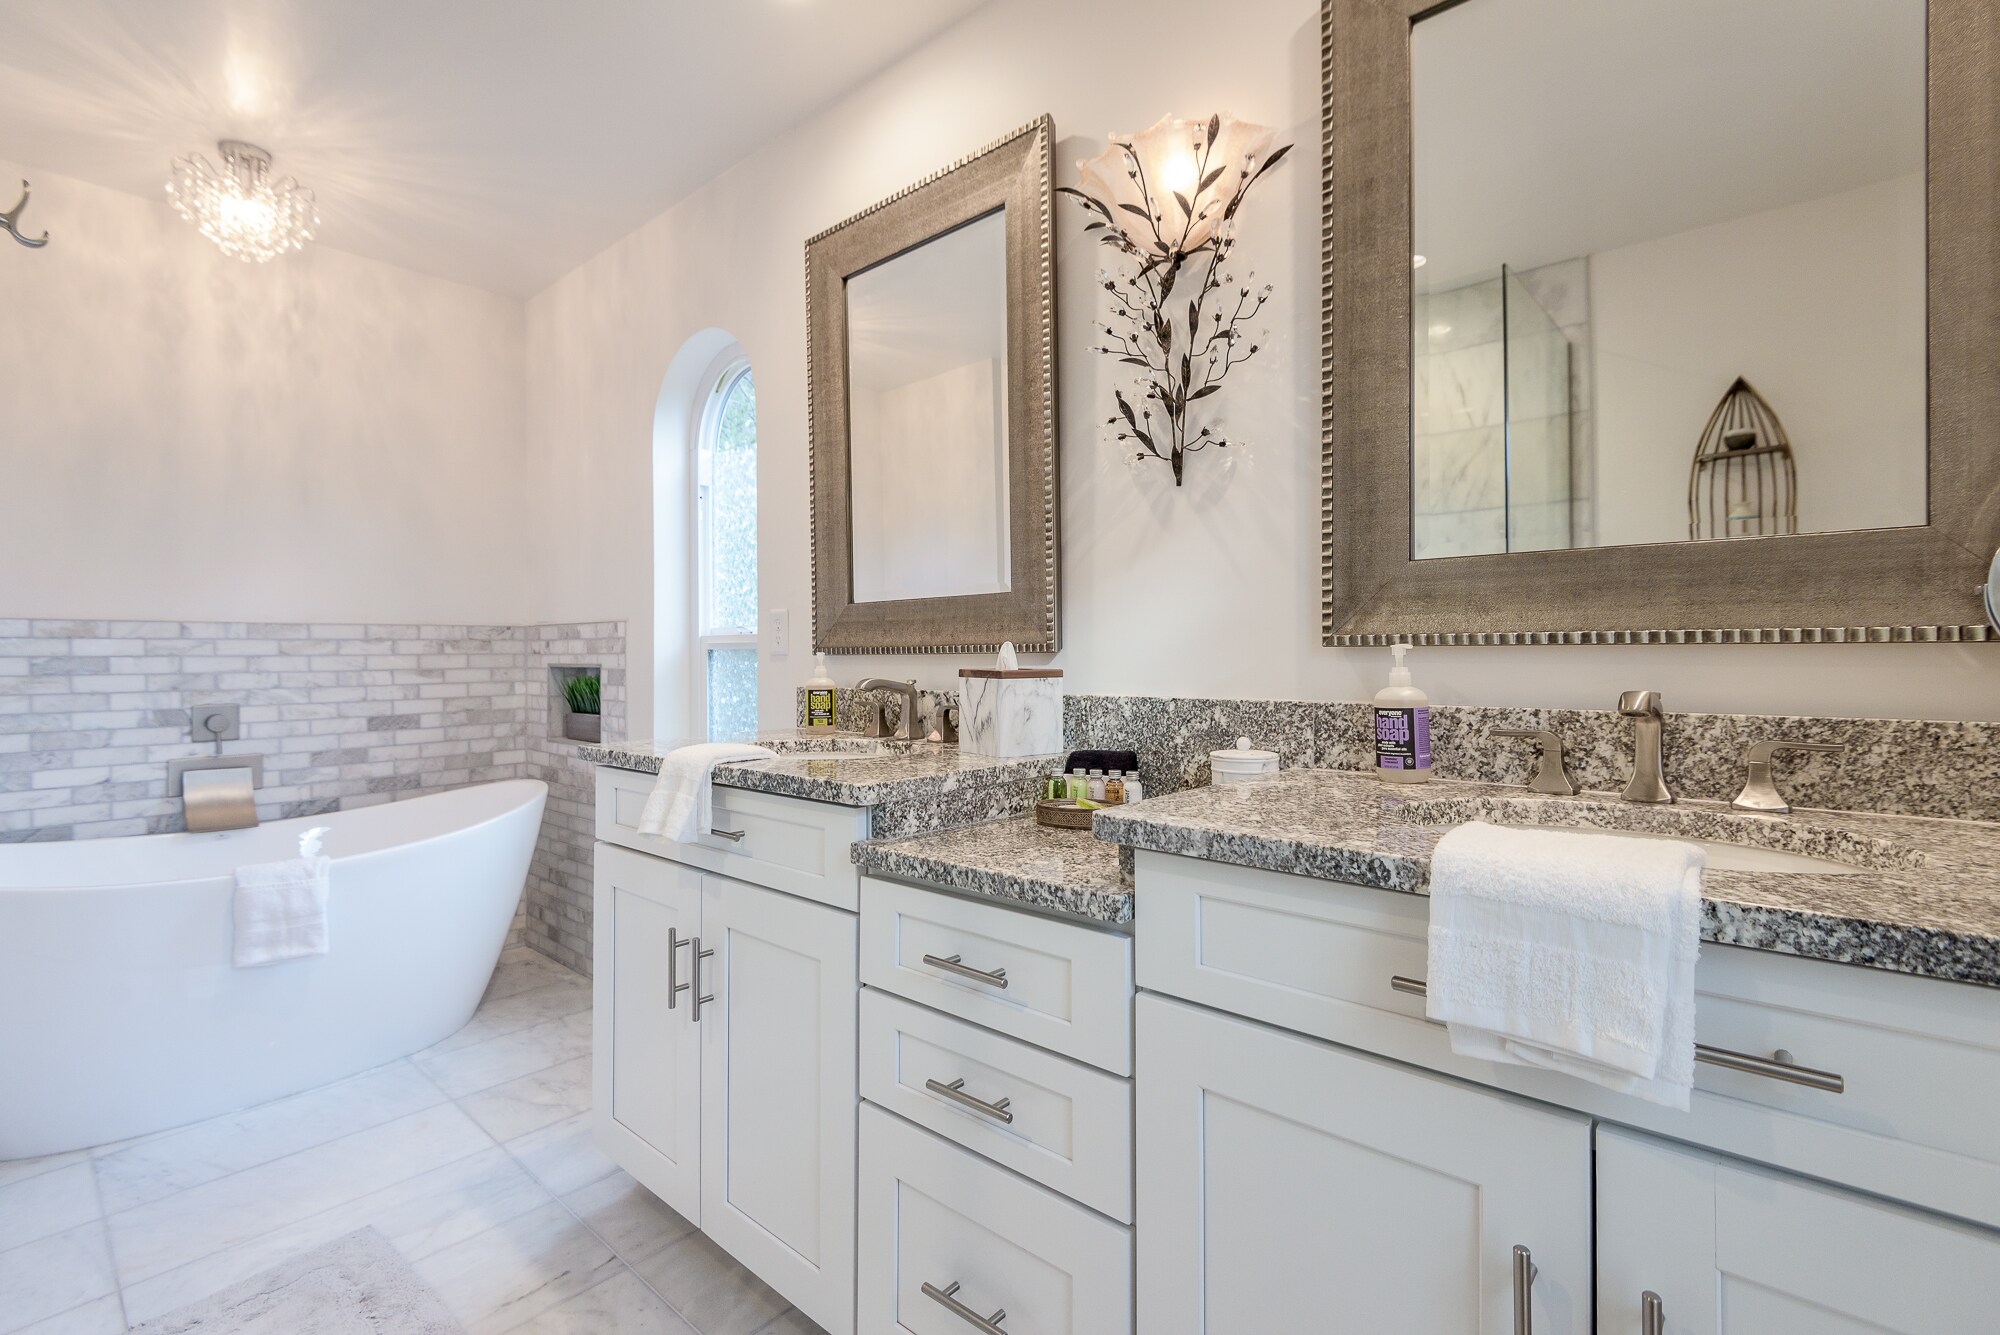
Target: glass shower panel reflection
{"type": "Point", "coordinates": [1538, 422]}
{"type": "Point", "coordinates": [1490, 422]}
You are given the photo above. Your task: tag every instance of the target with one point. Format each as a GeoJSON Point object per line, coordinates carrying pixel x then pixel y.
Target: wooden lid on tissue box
{"type": "Point", "coordinates": [1009, 673]}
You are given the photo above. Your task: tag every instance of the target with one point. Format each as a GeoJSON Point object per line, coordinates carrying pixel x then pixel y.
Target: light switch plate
{"type": "Point", "coordinates": [778, 632]}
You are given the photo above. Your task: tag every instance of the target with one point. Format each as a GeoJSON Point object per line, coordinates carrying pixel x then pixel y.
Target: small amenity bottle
{"type": "Point", "coordinates": [822, 696]}
{"type": "Point", "coordinates": [1402, 727]}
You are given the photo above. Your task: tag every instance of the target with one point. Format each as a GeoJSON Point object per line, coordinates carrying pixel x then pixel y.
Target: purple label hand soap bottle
{"type": "Point", "coordinates": [1402, 727]}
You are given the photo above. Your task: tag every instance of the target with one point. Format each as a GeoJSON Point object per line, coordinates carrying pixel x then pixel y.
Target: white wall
{"type": "Point", "coordinates": [185, 436]}
{"type": "Point", "coordinates": [1209, 590]}
{"type": "Point", "coordinates": [1820, 305]}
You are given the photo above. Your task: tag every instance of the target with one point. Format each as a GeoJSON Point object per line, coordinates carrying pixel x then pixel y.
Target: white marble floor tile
{"type": "Point", "coordinates": [177, 1160]}
{"type": "Point", "coordinates": [621, 1305]}
{"type": "Point", "coordinates": [563, 1155]}
{"type": "Point", "coordinates": [498, 1279]}
{"type": "Point", "coordinates": [174, 1230]}
{"type": "Point", "coordinates": [519, 1010]}
{"type": "Point", "coordinates": [102, 1317]}
{"type": "Point", "coordinates": [49, 1276]}
{"type": "Point", "coordinates": [636, 1223]}
{"type": "Point", "coordinates": [521, 969]}
{"type": "Point", "coordinates": [793, 1322]}
{"type": "Point", "coordinates": [16, 1170]}
{"type": "Point", "coordinates": [46, 1203]}
{"type": "Point", "coordinates": [425, 1214]}
{"type": "Point", "coordinates": [531, 1102]}
{"type": "Point", "coordinates": [478, 1066]}
{"type": "Point", "coordinates": [708, 1287]}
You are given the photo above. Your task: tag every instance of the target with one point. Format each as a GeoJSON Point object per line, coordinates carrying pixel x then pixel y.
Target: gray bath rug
{"type": "Point", "coordinates": [356, 1285]}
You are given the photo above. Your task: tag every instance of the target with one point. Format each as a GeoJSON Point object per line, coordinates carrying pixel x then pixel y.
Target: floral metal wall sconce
{"type": "Point", "coordinates": [10, 223]}
{"type": "Point", "coordinates": [1166, 201]}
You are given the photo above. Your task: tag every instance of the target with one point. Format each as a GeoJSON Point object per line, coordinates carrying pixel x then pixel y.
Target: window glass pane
{"type": "Point", "coordinates": [732, 694]}
{"type": "Point", "coordinates": [732, 516]}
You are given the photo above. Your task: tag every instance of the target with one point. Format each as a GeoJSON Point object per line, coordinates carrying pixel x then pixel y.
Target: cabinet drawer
{"type": "Point", "coordinates": [1919, 1059]}
{"type": "Point", "coordinates": [941, 1226]}
{"type": "Point", "coordinates": [1066, 1125]}
{"type": "Point", "coordinates": [1064, 987]}
{"type": "Point", "coordinates": [787, 843]}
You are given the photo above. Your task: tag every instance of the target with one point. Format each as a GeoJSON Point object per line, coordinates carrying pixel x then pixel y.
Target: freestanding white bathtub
{"type": "Point", "coordinates": [120, 1013]}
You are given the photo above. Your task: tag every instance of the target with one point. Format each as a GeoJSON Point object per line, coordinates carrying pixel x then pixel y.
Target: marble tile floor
{"type": "Point", "coordinates": [473, 1157]}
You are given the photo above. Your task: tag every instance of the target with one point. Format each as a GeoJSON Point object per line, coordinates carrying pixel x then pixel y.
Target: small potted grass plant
{"type": "Point", "coordinates": [585, 720]}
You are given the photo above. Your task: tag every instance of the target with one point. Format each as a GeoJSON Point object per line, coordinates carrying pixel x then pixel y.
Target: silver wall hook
{"type": "Point", "coordinates": [10, 222]}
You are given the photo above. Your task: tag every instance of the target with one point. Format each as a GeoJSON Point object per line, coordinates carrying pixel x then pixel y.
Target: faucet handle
{"type": "Point", "coordinates": [1551, 774]}
{"type": "Point", "coordinates": [1760, 793]}
{"type": "Point", "coordinates": [1639, 702]}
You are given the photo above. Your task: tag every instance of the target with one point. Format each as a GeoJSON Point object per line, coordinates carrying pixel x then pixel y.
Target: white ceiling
{"type": "Point", "coordinates": [1548, 129]}
{"type": "Point", "coordinates": [497, 142]}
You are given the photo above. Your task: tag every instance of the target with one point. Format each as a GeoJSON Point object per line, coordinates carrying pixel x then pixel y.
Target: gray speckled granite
{"type": "Point", "coordinates": [913, 787]}
{"type": "Point", "coordinates": [1928, 903]}
{"type": "Point", "coordinates": [1065, 871]}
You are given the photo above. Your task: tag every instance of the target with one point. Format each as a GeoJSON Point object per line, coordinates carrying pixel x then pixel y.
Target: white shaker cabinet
{"type": "Point", "coordinates": [1285, 1184]}
{"type": "Point", "coordinates": [1692, 1244]}
{"type": "Point", "coordinates": [778, 1092]}
{"type": "Point", "coordinates": [725, 1033]}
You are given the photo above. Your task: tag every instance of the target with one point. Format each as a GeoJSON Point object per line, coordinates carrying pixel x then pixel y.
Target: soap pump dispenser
{"type": "Point", "coordinates": [822, 696]}
{"type": "Point", "coordinates": [1402, 727]}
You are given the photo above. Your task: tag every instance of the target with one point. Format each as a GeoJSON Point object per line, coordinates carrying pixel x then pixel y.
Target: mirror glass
{"type": "Point", "coordinates": [1668, 272]}
{"type": "Point", "coordinates": [927, 417]}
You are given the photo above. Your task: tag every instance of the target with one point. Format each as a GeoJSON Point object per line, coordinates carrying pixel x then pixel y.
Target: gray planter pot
{"type": "Point", "coordinates": [583, 727]}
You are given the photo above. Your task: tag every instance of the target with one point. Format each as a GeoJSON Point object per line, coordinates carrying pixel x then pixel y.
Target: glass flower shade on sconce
{"type": "Point", "coordinates": [241, 207]}
{"type": "Point", "coordinates": [1166, 202]}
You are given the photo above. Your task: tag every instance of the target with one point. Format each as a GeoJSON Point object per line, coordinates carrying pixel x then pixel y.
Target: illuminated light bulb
{"type": "Point", "coordinates": [246, 212]}
{"type": "Point", "coordinates": [1180, 174]}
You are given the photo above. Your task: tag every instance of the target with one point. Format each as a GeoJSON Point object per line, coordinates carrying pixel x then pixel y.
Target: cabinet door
{"type": "Point", "coordinates": [1733, 1250]}
{"type": "Point", "coordinates": [647, 1074]}
{"type": "Point", "coordinates": [778, 1092]}
{"type": "Point", "coordinates": [1285, 1184]}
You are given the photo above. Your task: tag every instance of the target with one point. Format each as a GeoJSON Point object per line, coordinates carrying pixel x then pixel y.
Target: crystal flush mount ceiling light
{"type": "Point", "coordinates": [241, 207]}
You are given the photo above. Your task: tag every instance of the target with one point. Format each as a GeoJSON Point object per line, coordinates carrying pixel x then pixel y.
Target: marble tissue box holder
{"type": "Point", "coordinates": [1010, 711]}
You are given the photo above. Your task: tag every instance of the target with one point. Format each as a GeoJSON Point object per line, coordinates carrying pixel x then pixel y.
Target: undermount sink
{"type": "Point", "coordinates": [1733, 843]}
{"type": "Point", "coordinates": [1723, 856]}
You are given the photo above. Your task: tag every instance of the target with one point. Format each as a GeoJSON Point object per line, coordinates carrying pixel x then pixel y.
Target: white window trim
{"type": "Point", "coordinates": [719, 378]}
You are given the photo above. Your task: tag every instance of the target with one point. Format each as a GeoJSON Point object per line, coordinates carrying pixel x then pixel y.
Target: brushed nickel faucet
{"type": "Point", "coordinates": [1551, 774]}
{"type": "Point", "coordinates": [908, 690]}
{"type": "Point", "coordinates": [1647, 784]}
{"type": "Point", "coordinates": [1759, 792]}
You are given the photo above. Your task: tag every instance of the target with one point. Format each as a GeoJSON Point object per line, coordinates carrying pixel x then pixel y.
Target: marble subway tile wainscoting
{"type": "Point", "coordinates": [473, 1158]}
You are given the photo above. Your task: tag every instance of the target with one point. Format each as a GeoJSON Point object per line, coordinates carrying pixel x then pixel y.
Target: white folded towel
{"type": "Point", "coordinates": [1574, 952]}
{"type": "Point", "coordinates": [680, 806]}
{"type": "Point", "coordinates": [280, 908]}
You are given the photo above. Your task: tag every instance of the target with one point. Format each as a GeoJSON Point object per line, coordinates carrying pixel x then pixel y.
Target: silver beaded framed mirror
{"type": "Point", "coordinates": [1659, 322]}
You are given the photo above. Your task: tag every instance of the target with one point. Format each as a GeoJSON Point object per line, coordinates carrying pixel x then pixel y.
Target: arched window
{"type": "Point", "coordinates": [724, 599]}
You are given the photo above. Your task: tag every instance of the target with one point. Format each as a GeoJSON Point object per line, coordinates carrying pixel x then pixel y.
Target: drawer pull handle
{"type": "Point", "coordinates": [1652, 1314]}
{"type": "Point", "coordinates": [986, 1325]}
{"type": "Point", "coordinates": [733, 836]}
{"type": "Point", "coordinates": [674, 984]}
{"type": "Point", "coordinates": [955, 1091]}
{"type": "Point", "coordinates": [1778, 1066]}
{"type": "Point", "coordinates": [1524, 1291]}
{"type": "Point", "coordinates": [953, 964]}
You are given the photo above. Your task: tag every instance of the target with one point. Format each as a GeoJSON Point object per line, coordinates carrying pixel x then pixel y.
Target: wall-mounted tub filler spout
{"type": "Point", "coordinates": [1647, 783]}
{"type": "Point", "coordinates": [216, 792]}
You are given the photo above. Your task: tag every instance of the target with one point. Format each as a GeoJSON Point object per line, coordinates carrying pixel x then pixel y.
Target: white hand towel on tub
{"type": "Point", "coordinates": [680, 806]}
{"type": "Point", "coordinates": [1570, 951]}
{"type": "Point", "coordinates": [280, 907]}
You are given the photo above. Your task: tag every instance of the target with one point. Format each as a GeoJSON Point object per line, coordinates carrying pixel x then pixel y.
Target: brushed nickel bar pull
{"type": "Point", "coordinates": [699, 956]}
{"type": "Point", "coordinates": [733, 836]}
{"type": "Point", "coordinates": [985, 1325]}
{"type": "Point", "coordinates": [1778, 1066]}
{"type": "Point", "coordinates": [1652, 1314]}
{"type": "Point", "coordinates": [955, 1091]}
{"type": "Point", "coordinates": [954, 964]}
{"type": "Point", "coordinates": [1524, 1291]}
{"type": "Point", "coordinates": [674, 984]}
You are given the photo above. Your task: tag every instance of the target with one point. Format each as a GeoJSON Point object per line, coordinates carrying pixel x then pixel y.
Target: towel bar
{"type": "Point", "coordinates": [1778, 1067]}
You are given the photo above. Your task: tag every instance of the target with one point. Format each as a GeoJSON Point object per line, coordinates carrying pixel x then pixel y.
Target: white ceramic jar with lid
{"type": "Point", "coordinates": [1241, 763]}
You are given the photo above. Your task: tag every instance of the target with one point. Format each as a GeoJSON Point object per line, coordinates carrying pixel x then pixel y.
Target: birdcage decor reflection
{"type": "Point", "coordinates": [1744, 482]}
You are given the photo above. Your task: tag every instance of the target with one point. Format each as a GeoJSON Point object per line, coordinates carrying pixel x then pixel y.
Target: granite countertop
{"type": "Point", "coordinates": [1927, 901]}
{"type": "Point", "coordinates": [1063, 870]}
{"type": "Point", "coordinates": [913, 786]}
